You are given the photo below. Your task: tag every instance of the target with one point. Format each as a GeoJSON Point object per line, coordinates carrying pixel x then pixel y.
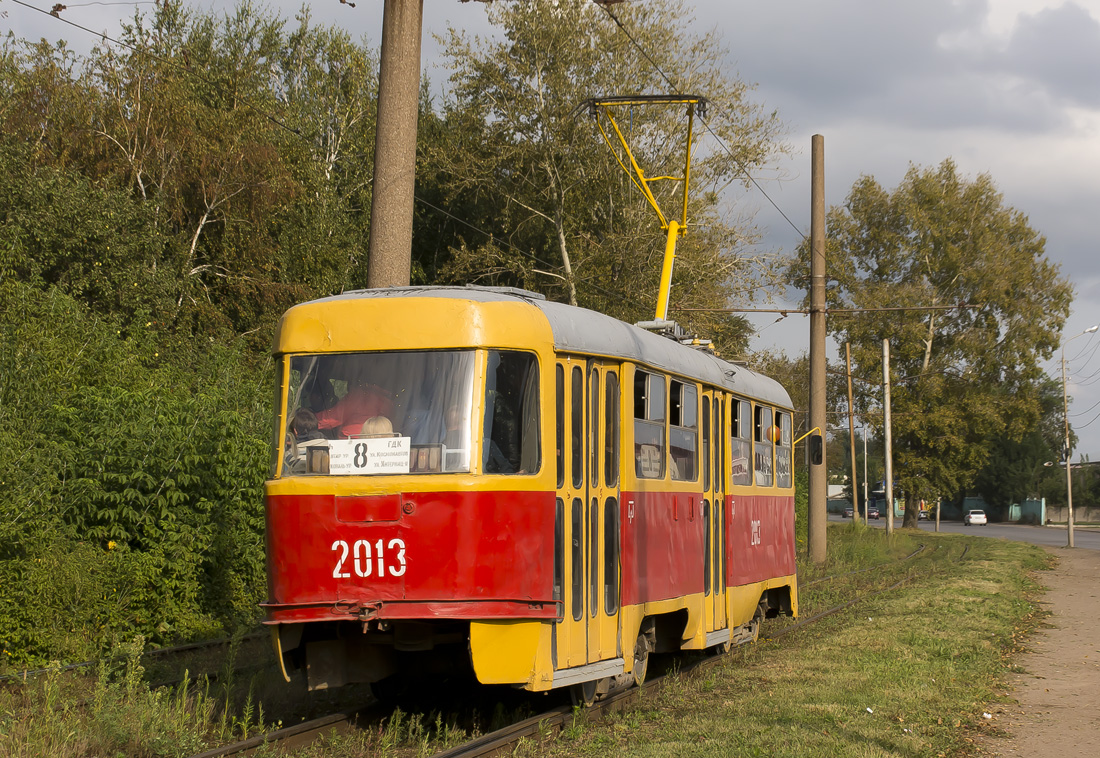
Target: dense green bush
{"type": "Point", "coordinates": [133, 496]}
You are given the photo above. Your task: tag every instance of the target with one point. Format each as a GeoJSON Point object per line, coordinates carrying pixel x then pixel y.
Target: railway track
{"type": "Point", "coordinates": [546, 725]}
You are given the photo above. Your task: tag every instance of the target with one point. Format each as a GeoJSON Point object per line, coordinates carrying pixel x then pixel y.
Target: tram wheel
{"type": "Point", "coordinates": [757, 620]}
{"type": "Point", "coordinates": [641, 659]}
{"type": "Point", "coordinates": [584, 694]}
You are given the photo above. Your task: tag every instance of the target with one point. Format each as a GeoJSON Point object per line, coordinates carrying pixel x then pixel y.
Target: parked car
{"type": "Point", "coordinates": [848, 513]}
{"type": "Point", "coordinates": [872, 512]}
{"type": "Point", "coordinates": [973, 518]}
{"type": "Point", "coordinates": [922, 516]}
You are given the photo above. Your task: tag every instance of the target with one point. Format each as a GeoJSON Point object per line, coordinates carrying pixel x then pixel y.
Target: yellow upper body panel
{"type": "Point", "coordinates": [345, 324]}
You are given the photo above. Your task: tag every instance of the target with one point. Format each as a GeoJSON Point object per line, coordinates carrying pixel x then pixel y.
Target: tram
{"type": "Point", "coordinates": [479, 477]}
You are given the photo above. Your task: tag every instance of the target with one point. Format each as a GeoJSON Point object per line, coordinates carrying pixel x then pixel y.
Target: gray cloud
{"type": "Point", "coordinates": [1058, 50]}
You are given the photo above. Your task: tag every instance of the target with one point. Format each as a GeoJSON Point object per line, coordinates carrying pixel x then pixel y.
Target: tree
{"type": "Point", "coordinates": [536, 175]}
{"type": "Point", "coordinates": [988, 304]}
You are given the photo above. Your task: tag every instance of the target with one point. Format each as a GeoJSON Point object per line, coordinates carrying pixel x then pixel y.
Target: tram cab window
{"type": "Point", "coordinates": [683, 431]}
{"type": "Point", "coordinates": [649, 425]}
{"type": "Point", "coordinates": [425, 396]}
{"type": "Point", "coordinates": [740, 442]}
{"type": "Point", "coordinates": [511, 440]}
{"type": "Point", "coordinates": [783, 471]}
{"type": "Point", "coordinates": [764, 435]}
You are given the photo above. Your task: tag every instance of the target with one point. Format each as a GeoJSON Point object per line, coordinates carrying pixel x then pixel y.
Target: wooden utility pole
{"type": "Point", "coordinates": [851, 431]}
{"type": "Point", "coordinates": [391, 212]}
{"type": "Point", "coordinates": [818, 483]}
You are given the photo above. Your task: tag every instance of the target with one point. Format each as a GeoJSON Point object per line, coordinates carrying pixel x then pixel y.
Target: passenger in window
{"type": "Point", "coordinates": [301, 435]}
{"type": "Point", "coordinates": [377, 426]}
{"type": "Point", "coordinates": [304, 426]}
{"type": "Point", "coordinates": [362, 401]}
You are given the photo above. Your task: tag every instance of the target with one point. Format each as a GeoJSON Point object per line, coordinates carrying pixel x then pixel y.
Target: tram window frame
{"type": "Point", "coordinates": [576, 579]}
{"type": "Point", "coordinates": [576, 437]}
{"type": "Point", "coordinates": [706, 441]}
{"type": "Point", "coordinates": [611, 429]}
{"type": "Point", "coordinates": [559, 422]}
{"type": "Point", "coordinates": [649, 424]}
{"type": "Point", "coordinates": [594, 427]}
{"type": "Point", "coordinates": [559, 549]}
{"type": "Point", "coordinates": [593, 557]}
{"type": "Point", "coordinates": [611, 556]}
{"type": "Point", "coordinates": [279, 423]}
{"type": "Point", "coordinates": [707, 547]}
{"type": "Point", "coordinates": [683, 430]}
{"type": "Point", "coordinates": [740, 442]}
{"type": "Point", "coordinates": [719, 444]}
{"type": "Point", "coordinates": [511, 446]}
{"type": "Point", "coordinates": [763, 448]}
{"type": "Point", "coordinates": [784, 455]}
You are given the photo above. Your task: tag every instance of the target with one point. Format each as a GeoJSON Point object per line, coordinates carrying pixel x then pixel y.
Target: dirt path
{"type": "Point", "coordinates": [1057, 709]}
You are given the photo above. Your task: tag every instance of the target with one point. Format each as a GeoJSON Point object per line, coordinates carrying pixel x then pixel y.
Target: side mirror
{"type": "Point", "coordinates": [817, 449]}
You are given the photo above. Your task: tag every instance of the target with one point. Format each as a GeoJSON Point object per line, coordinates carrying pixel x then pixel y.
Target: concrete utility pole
{"type": "Point", "coordinates": [818, 483]}
{"type": "Point", "coordinates": [852, 431]}
{"type": "Point", "coordinates": [391, 211]}
{"type": "Point", "coordinates": [888, 442]}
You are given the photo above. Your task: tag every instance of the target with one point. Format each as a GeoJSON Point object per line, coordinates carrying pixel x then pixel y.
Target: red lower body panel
{"type": "Point", "coordinates": [416, 555]}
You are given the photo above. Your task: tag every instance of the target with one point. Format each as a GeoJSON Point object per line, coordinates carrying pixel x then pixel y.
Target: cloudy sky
{"type": "Point", "coordinates": [1005, 87]}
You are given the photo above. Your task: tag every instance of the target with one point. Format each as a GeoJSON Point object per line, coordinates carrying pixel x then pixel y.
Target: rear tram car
{"type": "Point", "coordinates": [478, 476]}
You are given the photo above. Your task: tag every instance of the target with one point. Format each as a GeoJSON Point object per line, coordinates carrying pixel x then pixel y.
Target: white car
{"type": "Point", "coordinates": [975, 517]}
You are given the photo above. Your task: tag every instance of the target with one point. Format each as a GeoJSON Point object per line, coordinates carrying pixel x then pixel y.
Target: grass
{"type": "Point", "coordinates": [116, 713]}
{"type": "Point", "coordinates": [908, 673]}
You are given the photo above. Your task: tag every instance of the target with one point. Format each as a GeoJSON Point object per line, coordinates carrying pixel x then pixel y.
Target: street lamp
{"type": "Point", "coordinates": [1065, 415]}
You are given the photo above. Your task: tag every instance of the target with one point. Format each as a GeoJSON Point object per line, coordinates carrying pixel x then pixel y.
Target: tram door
{"type": "Point", "coordinates": [588, 419]}
{"type": "Point", "coordinates": [571, 633]}
{"type": "Point", "coordinates": [604, 409]}
{"type": "Point", "coordinates": [714, 518]}
{"type": "Point", "coordinates": [718, 498]}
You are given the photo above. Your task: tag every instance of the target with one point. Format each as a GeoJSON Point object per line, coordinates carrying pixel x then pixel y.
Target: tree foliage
{"type": "Point", "coordinates": [533, 171]}
{"type": "Point", "coordinates": [988, 307]}
{"type": "Point", "coordinates": [165, 197]}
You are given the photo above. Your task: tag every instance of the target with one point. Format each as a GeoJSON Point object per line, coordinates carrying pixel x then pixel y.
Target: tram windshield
{"type": "Point", "coordinates": [409, 412]}
{"type": "Point", "coordinates": [379, 413]}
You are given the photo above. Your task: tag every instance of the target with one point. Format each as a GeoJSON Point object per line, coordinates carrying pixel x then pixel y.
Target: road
{"type": "Point", "coordinates": [1049, 536]}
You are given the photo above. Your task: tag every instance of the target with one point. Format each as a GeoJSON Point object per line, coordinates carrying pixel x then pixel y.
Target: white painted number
{"type": "Point", "coordinates": [340, 545]}
{"type": "Point", "coordinates": [365, 560]}
{"type": "Point", "coordinates": [755, 532]}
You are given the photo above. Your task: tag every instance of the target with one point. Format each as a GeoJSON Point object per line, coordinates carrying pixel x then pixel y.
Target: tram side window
{"type": "Point", "coordinates": [764, 434]}
{"type": "Point", "coordinates": [783, 471]}
{"type": "Point", "coordinates": [740, 444]}
{"type": "Point", "coordinates": [576, 415]}
{"type": "Point", "coordinates": [706, 441]}
{"type": "Point", "coordinates": [649, 425]}
{"type": "Point", "coordinates": [511, 442]}
{"type": "Point", "coordinates": [559, 423]}
{"type": "Point", "coordinates": [611, 556]}
{"type": "Point", "coordinates": [683, 443]}
{"type": "Point", "coordinates": [611, 430]}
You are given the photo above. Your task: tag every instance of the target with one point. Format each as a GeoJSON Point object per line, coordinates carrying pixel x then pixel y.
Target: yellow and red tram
{"type": "Point", "coordinates": [544, 493]}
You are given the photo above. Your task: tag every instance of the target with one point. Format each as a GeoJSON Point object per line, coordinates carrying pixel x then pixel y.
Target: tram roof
{"type": "Point", "coordinates": [585, 331]}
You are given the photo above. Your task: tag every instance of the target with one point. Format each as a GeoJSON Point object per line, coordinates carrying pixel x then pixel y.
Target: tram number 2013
{"type": "Point", "coordinates": [367, 559]}
{"type": "Point", "coordinates": [755, 538]}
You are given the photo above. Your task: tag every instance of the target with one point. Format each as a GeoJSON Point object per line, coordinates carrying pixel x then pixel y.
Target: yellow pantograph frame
{"type": "Point", "coordinates": [603, 106]}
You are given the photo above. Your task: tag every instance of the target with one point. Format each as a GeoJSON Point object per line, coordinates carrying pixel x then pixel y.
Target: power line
{"type": "Point", "coordinates": [722, 143]}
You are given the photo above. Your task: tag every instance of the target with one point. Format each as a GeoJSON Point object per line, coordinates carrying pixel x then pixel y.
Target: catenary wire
{"type": "Point", "coordinates": [706, 123]}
